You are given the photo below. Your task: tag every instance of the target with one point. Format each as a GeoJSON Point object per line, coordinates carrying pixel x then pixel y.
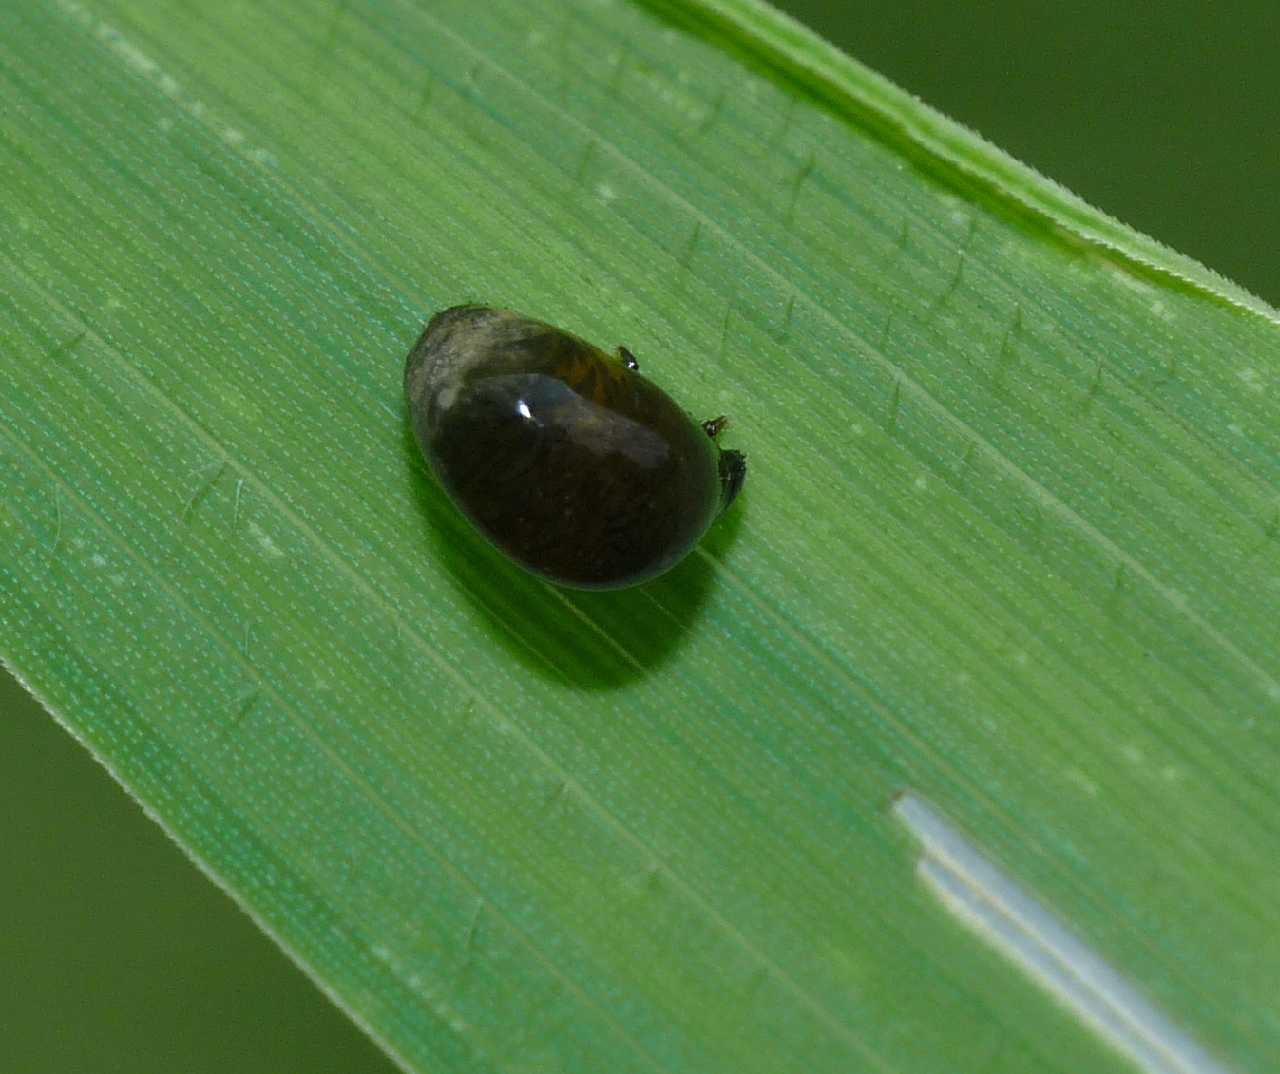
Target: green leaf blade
{"type": "Point", "coordinates": [1000, 542]}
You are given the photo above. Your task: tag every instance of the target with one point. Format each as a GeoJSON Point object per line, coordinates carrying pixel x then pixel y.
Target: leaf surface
{"type": "Point", "coordinates": [1011, 535]}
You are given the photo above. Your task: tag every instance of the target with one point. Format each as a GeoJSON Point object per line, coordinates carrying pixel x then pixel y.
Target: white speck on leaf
{"type": "Point", "coordinates": [1074, 775]}
{"type": "Point", "coordinates": [1252, 379]}
{"type": "Point", "coordinates": [264, 540]}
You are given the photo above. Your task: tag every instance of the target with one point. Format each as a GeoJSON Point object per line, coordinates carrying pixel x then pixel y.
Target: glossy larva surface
{"type": "Point", "coordinates": [564, 456]}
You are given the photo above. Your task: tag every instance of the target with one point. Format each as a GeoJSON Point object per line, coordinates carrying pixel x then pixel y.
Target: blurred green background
{"type": "Point", "coordinates": [118, 955]}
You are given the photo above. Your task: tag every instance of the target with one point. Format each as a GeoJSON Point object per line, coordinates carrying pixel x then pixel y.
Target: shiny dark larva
{"type": "Point", "coordinates": [564, 456]}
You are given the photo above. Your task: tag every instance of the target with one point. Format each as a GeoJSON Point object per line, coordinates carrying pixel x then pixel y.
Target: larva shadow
{"type": "Point", "coordinates": [585, 639]}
